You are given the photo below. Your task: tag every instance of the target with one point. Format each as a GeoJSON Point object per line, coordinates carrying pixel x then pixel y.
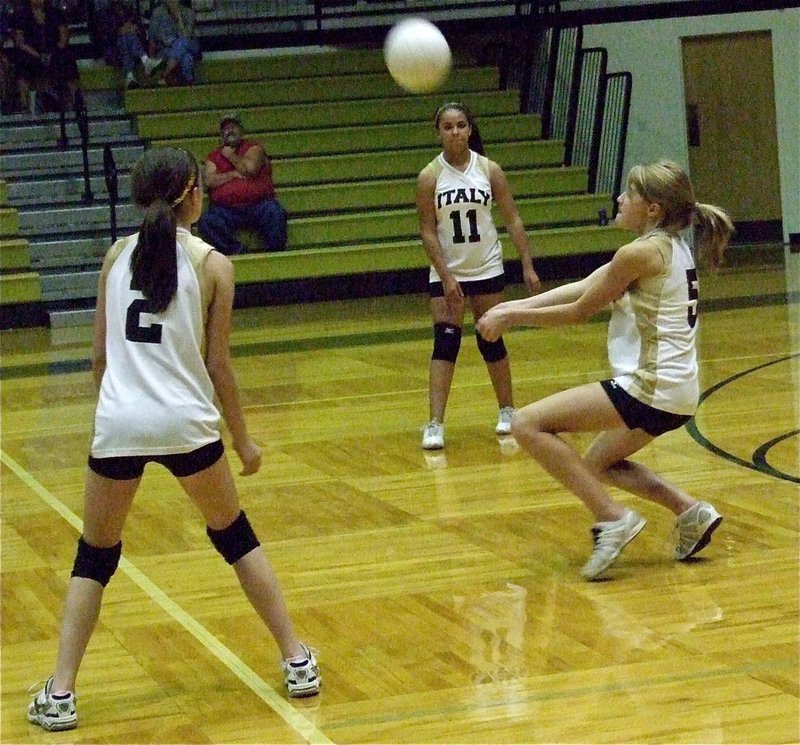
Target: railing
{"type": "Point", "coordinates": [82, 119]}
{"type": "Point", "coordinates": [82, 122]}
{"type": "Point", "coordinates": [578, 100]}
{"type": "Point", "coordinates": [112, 187]}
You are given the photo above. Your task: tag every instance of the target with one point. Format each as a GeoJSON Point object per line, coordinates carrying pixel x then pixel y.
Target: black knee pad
{"type": "Point", "coordinates": [93, 562]}
{"type": "Point", "coordinates": [446, 342]}
{"type": "Point", "coordinates": [491, 351]}
{"type": "Point", "coordinates": [235, 541]}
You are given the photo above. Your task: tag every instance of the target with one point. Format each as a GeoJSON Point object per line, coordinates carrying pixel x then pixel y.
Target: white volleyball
{"type": "Point", "coordinates": [417, 55]}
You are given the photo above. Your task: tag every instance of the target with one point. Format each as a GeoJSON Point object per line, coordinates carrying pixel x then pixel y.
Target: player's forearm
{"type": "Point", "coordinates": [435, 256]}
{"type": "Point", "coordinates": [227, 389]}
{"type": "Point", "coordinates": [520, 240]}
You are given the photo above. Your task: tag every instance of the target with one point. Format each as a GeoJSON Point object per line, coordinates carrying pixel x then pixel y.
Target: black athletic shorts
{"type": "Point", "coordinates": [129, 467]}
{"type": "Point", "coordinates": [490, 286]}
{"type": "Point", "coordinates": [637, 415]}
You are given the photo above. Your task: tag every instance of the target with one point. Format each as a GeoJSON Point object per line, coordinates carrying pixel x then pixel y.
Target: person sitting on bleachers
{"type": "Point", "coordinates": [238, 176]}
{"type": "Point", "coordinates": [8, 86]}
{"type": "Point", "coordinates": [120, 38]}
{"type": "Point", "coordinates": [172, 35]}
{"type": "Point", "coordinates": [44, 62]}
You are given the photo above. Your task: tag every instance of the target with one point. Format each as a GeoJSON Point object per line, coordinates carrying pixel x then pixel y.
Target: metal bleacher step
{"type": "Point", "coordinates": [74, 219]}
{"type": "Point", "coordinates": [46, 134]}
{"type": "Point", "coordinates": [82, 251]}
{"type": "Point", "coordinates": [71, 285]}
{"type": "Point", "coordinates": [60, 319]}
{"type": "Point", "coordinates": [69, 189]}
{"type": "Point", "coordinates": [21, 165]}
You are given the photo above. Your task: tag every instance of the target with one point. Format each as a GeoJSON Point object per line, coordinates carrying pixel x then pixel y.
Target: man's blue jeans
{"type": "Point", "coordinates": [185, 52]}
{"type": "Point", "coordinates": [130, 51]}
{"type": "Point", "coordinates": [218, 225]}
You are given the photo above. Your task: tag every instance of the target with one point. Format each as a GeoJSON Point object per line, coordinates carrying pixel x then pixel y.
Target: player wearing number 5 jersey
{"type": "Point", "coordinates": [652, 287]}
{"type": "Point", "coordinates": [161, 352]}
{"type": "Point", "coordinates": [455, 196]}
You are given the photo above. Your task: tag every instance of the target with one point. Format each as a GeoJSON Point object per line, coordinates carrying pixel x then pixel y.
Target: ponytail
{"type": "Point", "coordinates": [154, 262]}
{"type": "Point", "coordinates": [713, 231]}
{"type": "Point", "coordinates": [665, 183]}
{"type": "Point", "coordinates": [160, 182]}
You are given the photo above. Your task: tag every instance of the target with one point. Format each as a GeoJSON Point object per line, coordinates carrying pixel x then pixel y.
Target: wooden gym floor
{"type": "Point", "coordinates": [442, 590]}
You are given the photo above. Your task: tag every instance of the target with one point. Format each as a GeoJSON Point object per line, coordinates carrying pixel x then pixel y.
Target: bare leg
{"type": "Point", "coordinates": [106, 505]}
{"type": "Point", "coordinates": [261, 586]}
{"type": "Point", "coordinates": [439, 382]}
{"type": "Point", "coordinates": [607, 456]}
{"type": "Point", "coordinates": [214, 492]}
{"type": "Point", "coordinates": [441, 372]}
{"type": "Point", "coordinates": [583, 409]}
{"type": "Point", "coordinates": [500, 371]}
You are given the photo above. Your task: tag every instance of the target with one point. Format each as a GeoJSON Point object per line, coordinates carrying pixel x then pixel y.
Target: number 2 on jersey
{"type": "Point", "coordinates": [134, 331]}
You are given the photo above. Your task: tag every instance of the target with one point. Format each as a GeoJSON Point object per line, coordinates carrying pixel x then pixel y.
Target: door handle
{"type": "Point", "coordinates": [693, 124]}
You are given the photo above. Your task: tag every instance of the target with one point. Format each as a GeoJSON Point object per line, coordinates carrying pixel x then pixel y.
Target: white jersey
{"type": "Point", "coordinates": [467, 233]}
{"type": "Point", "coordinates": [651, 336]}
{"type": "Point", "coordinates": [156, 397]}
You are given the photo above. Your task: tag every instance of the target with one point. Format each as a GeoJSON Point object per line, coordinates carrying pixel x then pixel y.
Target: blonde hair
{"type": "Point", "coordinates": [666, 184]}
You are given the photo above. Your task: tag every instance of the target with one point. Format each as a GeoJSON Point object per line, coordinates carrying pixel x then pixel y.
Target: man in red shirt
{"type": "Point", "coordinates": [238, 176]}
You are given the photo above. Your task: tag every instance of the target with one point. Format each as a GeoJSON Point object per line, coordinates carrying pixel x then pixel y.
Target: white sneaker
{"type": "Point", "coordinates": [302, 677]}
{"type": "Point", "coordinates": [504, 421]}
{"type": "Point", "coordinates": [54, 713]}
{"type": "Point", "coordinates": [150, 64]}
{"type": "Point", "coordinates": [433, 436]}
{"type": "Point", "coordinates": [695, 527]}
{"type": "Point", "coordinates": [609, 539]}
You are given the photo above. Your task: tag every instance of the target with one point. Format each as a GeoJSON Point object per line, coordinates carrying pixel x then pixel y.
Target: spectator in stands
{"type": "Point", "coordinates": [45, 63]}
{"type": "Point", "coordinates": [119, 39]}
{"type": "Point", "coordinates": [8, 85]}
{"type": "Point", "coordinates": [238, 176]}
{"type": "Point", "coordinates": [172, 35]}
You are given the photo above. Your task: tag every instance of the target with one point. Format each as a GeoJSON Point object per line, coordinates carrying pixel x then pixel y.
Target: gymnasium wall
{"type": "Point", "coordinates": [651, 50]}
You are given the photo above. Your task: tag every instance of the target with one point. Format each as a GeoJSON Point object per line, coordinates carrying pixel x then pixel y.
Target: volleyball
{"type": "Point", "coordinates": [417, 55]}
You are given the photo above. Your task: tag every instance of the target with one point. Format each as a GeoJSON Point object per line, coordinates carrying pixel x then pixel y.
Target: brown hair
{"type": "Point", "coordinates": [160, 181]}
{"type": "Point", "coordinates": [475, 142]}
{"type": "Point", "coordinates": [665, 183]}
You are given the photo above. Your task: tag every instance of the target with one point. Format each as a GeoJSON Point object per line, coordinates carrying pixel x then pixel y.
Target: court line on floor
{"type": "Point", "coordinates": [755, 463]}
{"type": "Point", "coordinates": [361, 339]}
{"type": "Point", "coordinates": [300, 724]}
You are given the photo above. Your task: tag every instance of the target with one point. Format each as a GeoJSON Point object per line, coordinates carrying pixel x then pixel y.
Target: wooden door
{"type": "Point", "coordinates": [730, 105]}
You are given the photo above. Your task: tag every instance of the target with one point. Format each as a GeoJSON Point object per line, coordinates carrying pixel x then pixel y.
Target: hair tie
{"type": "Point", "coordinates": [183, 194]}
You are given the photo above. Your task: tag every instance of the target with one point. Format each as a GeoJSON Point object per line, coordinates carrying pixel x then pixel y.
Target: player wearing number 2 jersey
{"type": "Point", "coordinates": [161, 352]}
{"type": "Point", "coordinates": [455, 195]}
{"type": "Point", "coordinates": [651, 284]}
{"type": "Point", "coordinates": [156, 395]}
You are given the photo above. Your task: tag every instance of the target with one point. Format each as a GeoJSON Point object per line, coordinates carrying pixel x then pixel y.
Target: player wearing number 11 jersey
{"type": "Point", "coordinates": [455, 195]}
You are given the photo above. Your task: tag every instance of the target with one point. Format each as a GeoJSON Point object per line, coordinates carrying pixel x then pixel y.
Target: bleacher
{"type": "Point", "coordinates": [346, 144]}
{"type": "Point", "coordinates": [18, 282]}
